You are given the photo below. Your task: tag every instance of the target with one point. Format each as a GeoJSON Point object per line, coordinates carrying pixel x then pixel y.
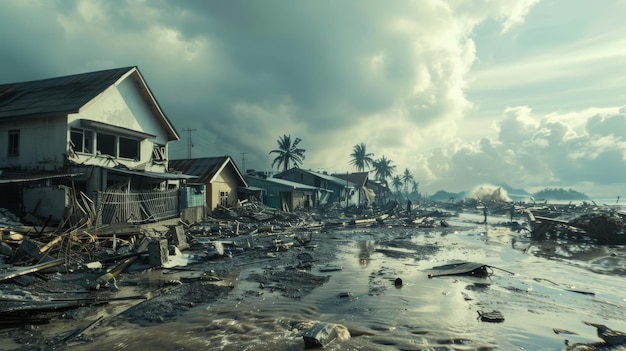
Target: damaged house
{"type": "Point", "coordinates": [287, 195]}
{"type": "Point", "coordinates": [92, 144]}
{"type": "Point", "coordinates": [366, 195]}
{"type": "Point", "coordinates": [337, 190]}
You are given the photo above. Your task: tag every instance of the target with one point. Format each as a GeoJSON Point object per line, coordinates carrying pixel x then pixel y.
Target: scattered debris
{"type": "Point", "coordinates": [320, 335]}
{"type": "Point", "coordinates": [491, 317]}
{"type": "Point", "coordinates": [472, 269]}
{"type": "Point", "coordinates": [610, 336]}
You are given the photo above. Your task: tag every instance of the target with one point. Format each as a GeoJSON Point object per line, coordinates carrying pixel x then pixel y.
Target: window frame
{"type": "Point", "coordinates": [87, 140]}
{"type": "Point", "coordinates": [13, 147]}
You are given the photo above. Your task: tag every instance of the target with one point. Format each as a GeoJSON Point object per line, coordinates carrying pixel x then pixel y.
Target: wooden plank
{"type": "Point", "coordinates": [31, 269]}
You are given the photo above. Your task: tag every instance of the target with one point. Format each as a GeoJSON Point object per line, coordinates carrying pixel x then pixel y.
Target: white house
{"type": "Point", "coordinates": [98, 133]}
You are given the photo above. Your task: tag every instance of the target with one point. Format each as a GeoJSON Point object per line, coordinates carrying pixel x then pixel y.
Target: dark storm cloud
{"type": "Point", "coordinates": [334, 73]}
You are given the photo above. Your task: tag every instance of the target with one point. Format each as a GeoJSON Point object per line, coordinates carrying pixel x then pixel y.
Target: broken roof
{"type": "Point", "coordinates": [206, 168]}
{"type": "Point", "coordinates": [358, 178]}
{"type": "Point", "coordinates": [65, 95]}
{"type": "Point", "coordinates": [329, 178]}
{"type": "Point", "coordinates": [285, 183]}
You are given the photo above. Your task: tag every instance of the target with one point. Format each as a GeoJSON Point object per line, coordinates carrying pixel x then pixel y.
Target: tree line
{"type": "Point", "coordinates": [289, 154]}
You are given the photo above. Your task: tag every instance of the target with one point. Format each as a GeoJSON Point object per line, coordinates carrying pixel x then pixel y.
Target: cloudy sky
{"type": "Point", "coordinates": [460, 92]}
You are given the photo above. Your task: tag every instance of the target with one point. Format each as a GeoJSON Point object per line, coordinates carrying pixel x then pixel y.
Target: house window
{"type": "Point", "coordinates": [129, 148]}
{"type": "Point", "coordinates": [158, 153]}
{"type": "Point", "coordinates": [224, 198]}
{"type": "Point", "coordinates": [82, 140]}
{"type": "Point", "coordinates": [14, 142]}
{"type": "Point", "coordinates": [106, 144]}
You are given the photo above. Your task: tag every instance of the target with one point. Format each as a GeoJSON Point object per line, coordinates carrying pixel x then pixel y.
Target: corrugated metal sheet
{"type": "Point", "coordinates": [357, 178]}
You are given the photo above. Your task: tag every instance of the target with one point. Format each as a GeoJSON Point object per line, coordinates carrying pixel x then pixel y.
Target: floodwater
{"type": "Point", "coordinates": [536, 287]}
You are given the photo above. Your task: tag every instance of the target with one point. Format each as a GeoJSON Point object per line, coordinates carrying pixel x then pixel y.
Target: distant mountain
{"type": "Point", "coordinates": [559, 194]}
{"type": "Point", "coordinates": [443, 195]}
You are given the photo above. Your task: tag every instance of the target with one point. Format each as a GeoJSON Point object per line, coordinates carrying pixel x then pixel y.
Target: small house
{"type": "Point", "coordinates": [365, 195]}
{"type": "Point", "coordinates": [339, 190]}
{"type": "Point", "coordinates": [287, 195]}
{"type": "Point", "coordinates": [220, 175]}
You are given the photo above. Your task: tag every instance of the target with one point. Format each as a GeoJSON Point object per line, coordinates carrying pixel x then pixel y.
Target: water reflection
{"type": "Point", "coordinates": [365, 250]}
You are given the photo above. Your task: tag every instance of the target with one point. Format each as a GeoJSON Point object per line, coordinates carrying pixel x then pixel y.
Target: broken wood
{"type": "Point", "coordinates": [32, 269]}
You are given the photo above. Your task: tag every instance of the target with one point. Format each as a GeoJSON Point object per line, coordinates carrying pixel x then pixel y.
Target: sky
{"type": "Point", "coordinates": [530, 93]}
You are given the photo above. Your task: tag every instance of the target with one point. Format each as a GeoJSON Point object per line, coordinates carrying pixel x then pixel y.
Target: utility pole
{"type": "Point", "coordinates": [189, 144]}
{"type": "Point", "coordinates": [243, 161]}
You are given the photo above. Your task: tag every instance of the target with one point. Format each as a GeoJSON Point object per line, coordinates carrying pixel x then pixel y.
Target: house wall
{"type": "Point", "coordinates": [271, 196]}
{"type": "Point", "coordinates": [338, 191]}
{"type": "Point", "coordinates": [225, 181]}
{"type": "Point", "coordinates": [47, 201]}
{"type": "Point", "coordinates": [42, 143]}
{"type": "Point", "coordinates": [123, 106]}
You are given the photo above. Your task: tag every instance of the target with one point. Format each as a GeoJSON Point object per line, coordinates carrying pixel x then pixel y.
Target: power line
{"type": "Point", "coordinates": [189, 144]}
{"type": "Point", "coordinates": [243, 161]}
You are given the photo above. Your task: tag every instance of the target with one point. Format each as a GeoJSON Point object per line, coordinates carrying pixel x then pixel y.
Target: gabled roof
{"type": "Point", "coordinates": [206, 169]}
{"type": "Point", "coordinates": [329, 178]}
{"type": "Point", "coordinates": [358, 178]}
{"type": "Point", "coordinates": [65, 95]}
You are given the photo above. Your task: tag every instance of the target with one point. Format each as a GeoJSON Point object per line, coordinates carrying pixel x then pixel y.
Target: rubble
{"type": "Point", "coordinates": [82, 265]}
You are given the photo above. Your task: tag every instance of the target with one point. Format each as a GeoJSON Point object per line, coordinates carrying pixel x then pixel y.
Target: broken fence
{"type": "Point", "coordinates": [137, 207]}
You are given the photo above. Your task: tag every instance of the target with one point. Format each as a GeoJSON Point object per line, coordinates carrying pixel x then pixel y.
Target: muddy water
{"type": "Point", "coordinates": [544, 292]}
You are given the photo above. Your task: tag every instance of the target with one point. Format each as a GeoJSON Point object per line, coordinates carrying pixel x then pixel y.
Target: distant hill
{"type": "Point", "coordinates": [559, 194]}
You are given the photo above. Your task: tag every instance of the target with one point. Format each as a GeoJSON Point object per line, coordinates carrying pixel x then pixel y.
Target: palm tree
{"type": "Point", "coordinates": [288, 152]}
{"type": "Point", "coordinates": [407, 178]}
{"type": "Point", "coordinates": [396, 182]}
{"type": "Point", "coordinates": [361, 159]}
{"type": "Point", "coordinates": [416, 189]}
{"type": "Point", "coordinates": [383, 168]}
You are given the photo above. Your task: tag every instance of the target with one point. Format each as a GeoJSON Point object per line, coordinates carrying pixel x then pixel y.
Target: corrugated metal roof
{"type": "Point", "coordinates": [147, 174]}
{"type": "Point", "coordinates": [205, 169]}
{"type": "Point", "coordinates": [358, 178]}
{"type": "Point", "coordinates": [64, 95]}
{"type": "Point", "coordinates": [287, 183]}
{"type": "Point", "coordinates": [329, 178]}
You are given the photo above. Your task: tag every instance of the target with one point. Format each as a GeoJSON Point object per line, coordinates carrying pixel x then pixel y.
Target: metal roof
{"type": "Point", "coordinates": [332, 179]}
{"type": "Point", "coordinates": [62, 94]}
{"type": "Point", "coordinates": [358, 178]}
{"type": "Point", "coordinates": [206, 168]}
{"type": "Point", "coordinates": [65, 95]}
{"type": "Point", "coordinates": [147, 174]}
{"type": "Point", "coordinates": [9, 176]}
{"type": "Point", "coordinates": [289, 183]}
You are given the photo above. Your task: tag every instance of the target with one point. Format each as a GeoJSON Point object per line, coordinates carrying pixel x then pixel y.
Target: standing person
{"type": "Point", "coordinates": [485, 213]}
{"type": "Point", "coordinates": [512, 212]}
{"type": "Point", "coordinates": [408, 208]}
